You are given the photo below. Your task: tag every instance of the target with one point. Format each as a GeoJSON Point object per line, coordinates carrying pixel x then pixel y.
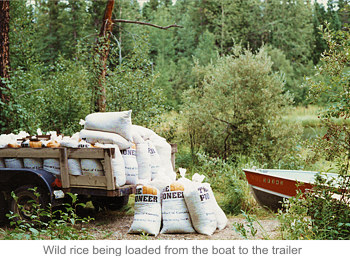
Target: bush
{"type": "Point", "coordinates": [236, 108]}
{"type": "Point", "coordinates": [225, 177]}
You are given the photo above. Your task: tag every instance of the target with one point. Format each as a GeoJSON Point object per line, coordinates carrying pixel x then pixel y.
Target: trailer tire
{"type": "Point", "coordinates": [27, 203]}
{"type": "Point", "coordinates": [3, 208]}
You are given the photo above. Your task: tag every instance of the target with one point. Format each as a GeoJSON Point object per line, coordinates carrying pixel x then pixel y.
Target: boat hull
{"type": "Point", "coordinates": [269, 189]}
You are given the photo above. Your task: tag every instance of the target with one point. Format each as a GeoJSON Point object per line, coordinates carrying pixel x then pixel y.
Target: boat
{"type": "Point", "coordinates": [270, 186]}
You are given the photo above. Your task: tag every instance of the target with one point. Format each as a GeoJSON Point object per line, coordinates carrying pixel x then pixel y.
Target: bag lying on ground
{"type": "Point", "coordinates": [114, 122]}
{"type": "Point", "coordinates": [92, 137]}
{"type": "Point", "coordinates": [147, 217]}
{"type": "Point", "coordinates": [176, 218]}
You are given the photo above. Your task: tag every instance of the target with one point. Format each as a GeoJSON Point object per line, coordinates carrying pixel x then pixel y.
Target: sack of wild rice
{"type": "Point", "coordinates": [114, 122]}
{"type": "Point", "coordinates": [175, 215]}
{"type": "Point", "coordinates": [148, 213]}
{"type": "Point", "coordinates": [143, 162]}
{"type": "Point", "coordinates": [164, 151]}
{"type": "Point", "coordinates": [52, 165]}
{"type": "Point", "coordinates": [92, 167]}
{"type": "Point", "coordinates": [92, 137]}
{"type": "Point", "coordinates": [221, 219]}
{"type": "Point", "coordinates": [118, 166]}
{"type": "Point", "coordinates": [154, 160]}
{"type": "Point", "coordinates": [13, 162]}
{"type": "Point", "coordinates": [131, 167]}
{"type": "Point", "coordinates": [33, 163]}
{"type": "Point", "coordinates": [74, 167]}
{"type": "Point", "coordinates": [199, 205]}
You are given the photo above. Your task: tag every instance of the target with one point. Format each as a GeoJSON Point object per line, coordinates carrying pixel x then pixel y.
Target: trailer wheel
{"type": "Point", "coordinates": [3, 208]}
{"type": "Point", "coordinates": [27, 203]}
{"type": "Point", "coordinates": [110, 203]}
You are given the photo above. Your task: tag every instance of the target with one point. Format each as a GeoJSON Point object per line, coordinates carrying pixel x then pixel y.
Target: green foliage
{"type": "Point", "coordinates": [236, 108]}
{"type": "Point", "coordinates": [324, 212]}
{"type": "Point", "coordinates": [320, 214]}
{"type": "Point", "coordinates": [131, 85]}
{"type": "Point", "coordinates": [251, 231]}
{"type": "Point", "coordinates": [46, 224]}
{"type": "Point", "coordinates": [225, 177]}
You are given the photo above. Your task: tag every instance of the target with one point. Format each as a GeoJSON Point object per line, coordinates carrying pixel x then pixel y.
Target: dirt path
{"type": "Point", "coordinates": [115, 225]}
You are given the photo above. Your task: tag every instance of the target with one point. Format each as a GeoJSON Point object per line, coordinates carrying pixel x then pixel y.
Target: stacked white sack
{"type": "Point", "coordinates": [162, 148]}
{"type": "Point", "coordinates": [114, 122]}
{"type": "Point", "coordinates": [175, 215]}
{"type": "Point", "coordinates": [131, 166]}
{"type": "Point", "coordinates": [221, 218]}
{"type": "Point", "coordinates": [148, 213]}
{"type": "Point", "coordinates": [118, 166]}
{"type": "Point", "coordinates": [199, 204]}
{"type": "Point", "coordinates": [143, 162]}
{"type": "Point", "coordinates": [92, 136]}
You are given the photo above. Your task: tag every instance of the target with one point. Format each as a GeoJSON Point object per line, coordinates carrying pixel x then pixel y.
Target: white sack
{"type": "Point", "coordinates": [52, 165]}
{"type": "Point", "coordinates": [69, 142]}
{"type": "Point", "coordinates": [33, 163]}
{"type": "Point", "coordinates": [221, 218]}
{"type": "Point", "coordinates": [74, 167]}
{"type": "Point", "coordinates": [131, 167]}
{"type": "Point", "coordinates": [154, 160]}
{"type": "Point", "coordinates": [104, 138]}
{"type": "Point", "coordinates": [13, 163]}
{"type": "Point", "coordinates": [175, 215]}
{"type": "Point", "coordinates": [148, 213]}
{"type": "Point", "coordinates": [114, 122]}
{"type": "Point", "coordinates": [143, 162]}
{"type": "Point", "coordinates": [144, 132]}
{"type": "Point", "coordinates": [118, 166]}
{"type": "Point", "coordinates": [199, 205]}
{"type": "Point", "coordinates": [92, 167]}
{"type": "Point", "coordinates": [164, 151]}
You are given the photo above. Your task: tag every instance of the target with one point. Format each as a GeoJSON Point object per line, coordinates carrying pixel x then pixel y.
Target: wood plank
{"type": "Point", "coordinates": [108, 169]}
{"type": "Point", "coordinates": [97, 182]}
{"type": "Point", "coordinates": [30, 152]}
{"type": "Point", "coordinates": [86, 153]}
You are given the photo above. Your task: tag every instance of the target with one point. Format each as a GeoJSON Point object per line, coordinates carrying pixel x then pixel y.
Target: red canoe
{"type": "Point", "coordinates": [269, 187]}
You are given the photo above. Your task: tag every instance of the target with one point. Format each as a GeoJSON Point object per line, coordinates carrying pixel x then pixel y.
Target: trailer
{"type": "Point", "coordinates": [53, 189]}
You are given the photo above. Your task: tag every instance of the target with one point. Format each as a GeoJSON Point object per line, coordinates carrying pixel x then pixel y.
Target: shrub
{"type": "Point", "coordinates": [236, 108]}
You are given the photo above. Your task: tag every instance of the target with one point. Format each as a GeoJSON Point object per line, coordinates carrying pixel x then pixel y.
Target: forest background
{"type": "Point", "coordinates": [241, 84]}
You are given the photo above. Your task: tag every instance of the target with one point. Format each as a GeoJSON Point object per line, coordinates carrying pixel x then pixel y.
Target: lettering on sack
{"type": "Point", "coordinates": [151, 150]}
{"type": "Point", "coordinates": [128, 152]}
{"type": "Point", "coordinates": [203, 193]}
{"type": "Point", "coordinates": [146, 198]}
{"type": "Point", "coordinates": [173, 195]}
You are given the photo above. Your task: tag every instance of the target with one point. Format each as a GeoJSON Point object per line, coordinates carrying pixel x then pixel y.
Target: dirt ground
{"type": "Point", "coordinates": [115, 225]}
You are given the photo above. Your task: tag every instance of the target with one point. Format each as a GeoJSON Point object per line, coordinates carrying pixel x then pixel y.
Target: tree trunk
{"type": "Point", "coordinates": [4, 48]}
{"type": "Point", "coordinates": [103, 51]}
